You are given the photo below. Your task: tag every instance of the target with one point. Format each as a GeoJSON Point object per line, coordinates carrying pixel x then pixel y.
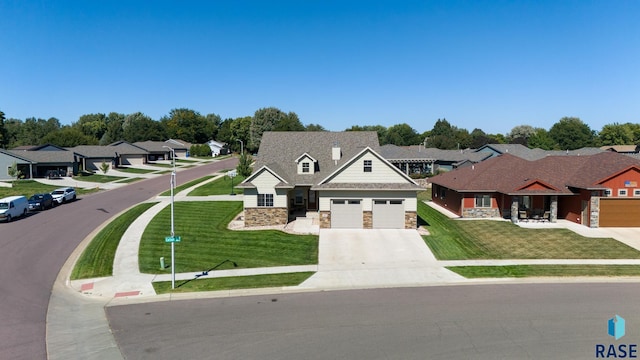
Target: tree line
{"type": "Point", "coordinates": [568, 133]}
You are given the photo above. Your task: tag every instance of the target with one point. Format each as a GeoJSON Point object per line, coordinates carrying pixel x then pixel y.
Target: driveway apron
{"type": "Point", "coordinates": [375, 258]}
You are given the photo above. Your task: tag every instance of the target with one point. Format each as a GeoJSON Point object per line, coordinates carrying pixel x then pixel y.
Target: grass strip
{"type": "Point", "coordinates": [490, 239]}
{"type": "Point", "coordinates": [520, 271]}
{"type": "Point", "coordinates": [234, 282]}
{"type": "Point", "coordinates": [186, 185]}
{"type": "Point", "coordinates": [206, 241]}
{"type": "Point", "coordinates": [97, 259]}
{"type": "Point", "coordinates": [221, 186]}
{"type": "Point", "coordinates": [128, 180]}
{"type": "Point", "coordinates": [135, 170]}
{"type": "Point", "coordinates": [98, 178]}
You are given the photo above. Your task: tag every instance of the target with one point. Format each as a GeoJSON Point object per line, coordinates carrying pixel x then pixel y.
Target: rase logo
{"type": "Point", "coordinates": [616, 329]}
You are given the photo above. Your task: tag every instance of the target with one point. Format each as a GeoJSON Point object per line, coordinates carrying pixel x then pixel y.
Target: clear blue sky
{"type": "Point", "coordinates": [486, 64]}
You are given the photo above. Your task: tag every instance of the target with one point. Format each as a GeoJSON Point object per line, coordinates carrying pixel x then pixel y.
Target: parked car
{"type": "Point", "coordinates": [13, 207]}
{"type": "Point", "coordinates": [41, 202]}
{"type": "Point", "coordinates": [63, 195]}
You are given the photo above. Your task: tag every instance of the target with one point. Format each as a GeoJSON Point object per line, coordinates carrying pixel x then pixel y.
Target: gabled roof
{"type": "Point", "coordinates": [280, 149]}
{"type": "Point", "coordinates": [418, 153]}
{"type": "Point", "coordinates": [63, 156]}
{"type": "Point", "coordinates": [305, 155]}
{"type": "Point", "coordinates": [509, 174]}
{"type": "Point", "coordinates": [621, 148]}
{"type": "Point", "coordinates": [247, 183]}
{"type": "Point", "coordinates": [153, 146]}
{"type": "Point", "coordinates": [178, 144]}
{"type": "Point", "coordinates": [108, 151]}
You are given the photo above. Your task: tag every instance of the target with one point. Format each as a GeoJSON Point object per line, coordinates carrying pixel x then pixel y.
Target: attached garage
{"type": "Point", "coordinates": [132, 159]}
{"type": "Point", "coordinates": [346, 214]}
{"type": "Point", "coordinates": [388, 214]}
{"type": "Point", "coordinates": [619, 212]}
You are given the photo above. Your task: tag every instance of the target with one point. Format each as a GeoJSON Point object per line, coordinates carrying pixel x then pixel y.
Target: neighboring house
{"type": "Point", "coordinates": [37, 161]}
{"type": "Point", "coordinates": [621, 149]}
{"type": "Point", "coordinates": [524, 152]}
{"type": "Point", "coordinates": [180, 147]}
{"type": "Point", "coordinates": [600, 190]}
{"type": "Point", "coordinates": [340, 175]}
{"type": "Point", "coordinates": [156, 150]}
{"type": "Point", "coordinates": [91, 157]}
{"type": "Point", "coordinates": [216, 147]}
{"type": "Point", "coordinates": [417, 159]}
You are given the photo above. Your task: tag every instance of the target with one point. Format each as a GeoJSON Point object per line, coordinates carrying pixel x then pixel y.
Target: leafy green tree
{"type": "Point", "coordinates": [541, 139]}
{"type": "Point", "coordinates": [289, 123]}
{"type": "Point", "coordinates": [189, 125]}
{"type": "Point", "coordinates": [314, 127]}
{"type": "Point", "coordinates": [244, 165]}
{"type": "Point", "coordinates": [617, 134]}
{"type": "Point", "coordinates": [270, 119]}
{"type": "Point", "coordinates": [69, 136]}
{"type": "Point", "coordinates": [4, 138]}
{"type": "Point", "coordinates": [479, 138]}
{"type": "Point", "coordinates": [240, 130]}
{"type": "Point", "coordinates": [381, 130]}
{"type": "Point", "coordinates": [140, 127]}
{"type": "Point", "coordinates": [401, 135]}
{"type": "Point", "coordinates": [13, 171]}
{"type": "Point", "coordinates": [571, 133]}
{"type": "Point", "coordinates": [520, 134]}
{"type": "Point", "coordinates": [114, 129]}
{"type": "Point", "coordinates": [225, 134]}
{"type": "Point", "coordinates": [94, 125]}
{"type": "Point", "coordinates": [215, 121]}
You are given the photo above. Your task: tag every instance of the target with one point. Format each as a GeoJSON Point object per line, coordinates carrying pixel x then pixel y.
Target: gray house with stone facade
{"type": "Point", "coordinates": [340, 176]}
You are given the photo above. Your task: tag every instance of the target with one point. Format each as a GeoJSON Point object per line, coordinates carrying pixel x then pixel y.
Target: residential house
{"type": "Point", "coordinates": [599, 190]}
{"type": "Point", "coordinates": [339, 175]}
{"type": "Point", "coordinates": [156, 150]}
{"type": "Point", "coordinates": [38, 161]}
{"type": "Point", "coordinates": [417, 159]}
{"type": "Point", "coordinates": [216, 147]}
{"type": "Point", "coordinates": [121, 153]}
{"type": "Point", "coordinates": [180, 147]}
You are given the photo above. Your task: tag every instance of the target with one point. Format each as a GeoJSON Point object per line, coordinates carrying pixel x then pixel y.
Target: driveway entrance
{"type": "Point", "coordinates": [352, 258]}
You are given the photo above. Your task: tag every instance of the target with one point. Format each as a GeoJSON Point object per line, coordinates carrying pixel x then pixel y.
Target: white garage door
{"type": "Point", "coordinates": [388, 214]}
{"type": "Point", "coordinates": [132, 160]}
{"type": "Point", "coordinates": [346, 214]}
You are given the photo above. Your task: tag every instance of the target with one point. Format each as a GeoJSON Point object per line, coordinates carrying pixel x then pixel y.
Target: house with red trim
{"type": "Point", "coordinates": [600, 190]}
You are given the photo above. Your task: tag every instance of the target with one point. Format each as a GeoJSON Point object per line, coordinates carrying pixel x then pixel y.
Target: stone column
{"type": "Point", "coordinates": [515, 205]}
{"type": "Point", "coordinates": [553, 209]}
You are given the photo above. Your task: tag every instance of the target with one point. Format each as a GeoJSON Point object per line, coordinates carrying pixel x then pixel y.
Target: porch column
{"type": "Point", "coordinates": [515, 205]}
{"type": "Point", "coordinates": [553, 209]}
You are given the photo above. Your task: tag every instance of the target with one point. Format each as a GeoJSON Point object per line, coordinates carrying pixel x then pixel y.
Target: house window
{"type": "Point", "coordinates": [443, 192]}
{"type": "Point", "coordinates": [305, 167]}
{"type": "Point", "coordinates": [483, 201]}
{"type": "Point", "coordinates": [622, 192]}
{"type": "Point", "coordinates": [367, 166]}
{"type": "Point", "coordinates": [265, 200]}
{"type": "Point", "coordinates": [299, 198]}
{"type": "Point", "coordinates": [636, 192]}
{"type": "Point", "coordinates": [607, 192]}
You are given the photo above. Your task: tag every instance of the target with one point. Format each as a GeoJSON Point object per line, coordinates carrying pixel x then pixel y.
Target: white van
{"type": "Point", "coordinates": [13, 207]}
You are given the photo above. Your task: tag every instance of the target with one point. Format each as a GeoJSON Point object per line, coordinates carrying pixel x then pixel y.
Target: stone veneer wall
{"type": "Point", "coordinates": [410, 220]}
{"type": "Point", "coordinates": [325, 219]}
{"type": "Point", "coordinates": [367, 220]}
{"type": "Point", "coordinates": [594, 217]}
{"type": "Point", "coordinates": [265, 216]}
{"type": "Point", "coordinates": [480, 213]}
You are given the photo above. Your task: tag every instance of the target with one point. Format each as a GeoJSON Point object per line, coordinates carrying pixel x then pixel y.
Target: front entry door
{"type": "Point", "coordinates": [312, 204]}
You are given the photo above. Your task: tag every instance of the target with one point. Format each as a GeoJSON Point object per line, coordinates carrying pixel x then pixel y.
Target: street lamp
{"type": "Point", "coordinates": [241, 146]}
{"type": "Point", "coordinates": [172, 239]}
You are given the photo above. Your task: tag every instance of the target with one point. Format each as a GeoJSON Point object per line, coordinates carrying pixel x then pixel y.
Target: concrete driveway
{"type": "Point", "coordinates": [375, 258]}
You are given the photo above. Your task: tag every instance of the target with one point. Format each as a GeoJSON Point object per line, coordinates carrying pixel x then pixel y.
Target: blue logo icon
{"type": "Point", "coordinates": [616, 327]}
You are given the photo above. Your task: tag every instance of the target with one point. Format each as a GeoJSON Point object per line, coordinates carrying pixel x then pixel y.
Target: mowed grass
{"type": "Point", "coordinates": [233, 282]}
{"type": "Point", "coordinates": [186, 185]}
{"type": "Point", "coordinates": [490, 239]}
{"type": "Point", "coordinates": [519, 271]}
{"type": "Point", "coordinates": [99, 178]}
{"type": "Point", "coordinates": [131, 170]}
{"type": "Point", "coordinates": [97, 259]}
{"type": "Point", "coordinates": [206, 242]}
{"type": "Point", "coordinates": [30, 187]}
{"type": "Point", "coordinates": [222, 186]}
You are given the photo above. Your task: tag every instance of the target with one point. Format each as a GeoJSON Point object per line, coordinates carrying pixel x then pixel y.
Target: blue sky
{"type": "Point", "coordinates": [480, 64]}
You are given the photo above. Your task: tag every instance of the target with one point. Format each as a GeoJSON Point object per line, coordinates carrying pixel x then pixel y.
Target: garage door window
{"type": "Point", "coordinates": [265, 200]}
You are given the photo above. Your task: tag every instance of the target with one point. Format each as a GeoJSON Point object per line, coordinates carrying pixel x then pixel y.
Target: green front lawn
{"type": "Point", "coordinates": [99, 178]}
{"type": "Point", "coordinates": [222, 186]}
{"type": "Point", "coordinates": [131, 170]}
{"type": "Point", "coordinates": [518, 271]}
{"type": "Point", "coordinates": [490, 239]}
{"type": "Point", "coordinates": [186, 185]}
{"type": "Point", "coordinates": [233, 282]}
{"type": "Point", "coordinates": [30, 187]}
{"type": "Point", "coordinates": [97, 259]}
{"type": "Point", "coordinates": [206, 242]}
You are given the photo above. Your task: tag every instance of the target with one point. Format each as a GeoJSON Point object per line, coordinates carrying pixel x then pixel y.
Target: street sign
{"type": "Point", "coordinates": [171, 239]}
{"type": "Point", "coordinates": [232, 173]}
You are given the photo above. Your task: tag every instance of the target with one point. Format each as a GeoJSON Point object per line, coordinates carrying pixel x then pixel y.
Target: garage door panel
{"type": "Point", "coordinates": [388, 214]}
{"type": "Point", "coordinates": [619, 213]}
{"type": "Point", "coordinates": [346, 214]}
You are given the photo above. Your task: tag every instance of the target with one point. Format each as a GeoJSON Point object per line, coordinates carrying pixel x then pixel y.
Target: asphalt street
{"type": "Point", "coordinates": [528, 321]}
{"type": "Point", "coordinates": [33, 249]}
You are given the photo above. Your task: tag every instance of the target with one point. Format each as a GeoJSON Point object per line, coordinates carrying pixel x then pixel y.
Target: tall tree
{"type": "Point", "coordinates": [617, 134]}
{"type": "Point", "coordinates": [541, 139]}
{"type": "Point", "coordinates": [401, 135]}
{"type": "Point", "coordinates": [241, 130]}
{"type": "Point", "coordinates": [520, 134]}
{"type": "Point", "coordinates": [93, 125]}
{"type": "Point", "coordinates": [314, 127]}
{"type": "Point", "coordinates": [140, 127]}
{"type": "Point", "coordinates": [4, 138]}
{"type": "Point", "coordinates": [381, 130]}
{"type": "Point", "coordinates": [264, 119]}
{"type": "Point", "coordinates": [69, 136]}
{"type": "Point", "coordinates": [571, 133]}
{"type": "Point", "coordinates": [189, 125]}
{"type": "Point", "coordinates": [114, 130]}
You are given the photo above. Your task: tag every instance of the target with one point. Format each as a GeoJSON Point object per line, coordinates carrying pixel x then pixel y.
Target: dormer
{"type": "Point", "coordinates": [306, 164]}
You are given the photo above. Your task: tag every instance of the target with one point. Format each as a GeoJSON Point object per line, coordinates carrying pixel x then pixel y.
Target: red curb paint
{"type": "Point", "coordinates": [127, 293]}
{"type": "Point", "coordinates": [87, 286]}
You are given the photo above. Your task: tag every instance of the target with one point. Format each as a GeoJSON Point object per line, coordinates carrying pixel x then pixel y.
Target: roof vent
{"type": "Point", "coordinates": [336, 153]}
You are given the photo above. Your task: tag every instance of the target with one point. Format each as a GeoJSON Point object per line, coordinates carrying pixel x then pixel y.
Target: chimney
{"type": "Point", "coordinates": [336, 154]}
